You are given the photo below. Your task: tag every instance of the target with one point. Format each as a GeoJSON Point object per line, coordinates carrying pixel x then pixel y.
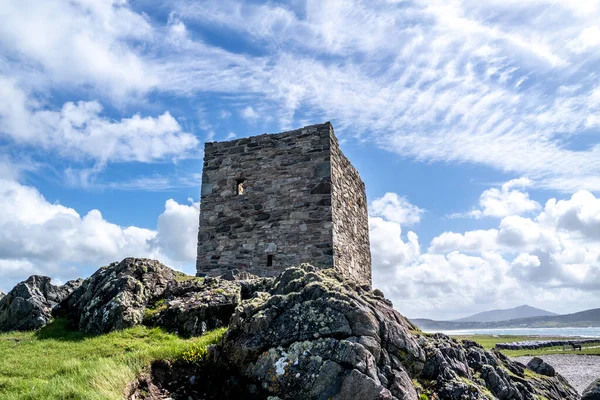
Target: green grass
{"type": "Point", "coordinates": [181, 277]}
{"type": "Point", "coordinates": [489, 341]}
{"type": "Point", "coordinates": [57, 363]}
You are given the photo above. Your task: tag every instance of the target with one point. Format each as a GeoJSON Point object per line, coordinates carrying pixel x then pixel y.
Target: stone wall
{"type": "Point", "coordinates": [350, 219]}
{"type": "Point", "coordinates": [285, 208]}
{"type": "Point", "coordinates": [267, 204]}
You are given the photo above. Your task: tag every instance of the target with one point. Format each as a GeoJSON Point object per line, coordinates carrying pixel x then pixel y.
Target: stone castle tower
{"type": "Point", "coordinates": [272, 201]}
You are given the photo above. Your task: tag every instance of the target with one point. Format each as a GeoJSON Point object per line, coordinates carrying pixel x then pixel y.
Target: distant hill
{"type": "Point", "coordinates": [587, 318]}
{"type": "Point", "coordinates": [505, 315]}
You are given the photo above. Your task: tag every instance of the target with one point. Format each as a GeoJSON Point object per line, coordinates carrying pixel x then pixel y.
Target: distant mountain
{"type": "Point", "coordinates": [506, 315]}
{"type": "Point", "coordinates": [587, 318]}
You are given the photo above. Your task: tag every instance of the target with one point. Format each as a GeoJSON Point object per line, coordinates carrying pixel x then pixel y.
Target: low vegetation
{"type": "Point", "coordinates": [489, 341]}
{"type": "Point", "coordinates": [58, 363]}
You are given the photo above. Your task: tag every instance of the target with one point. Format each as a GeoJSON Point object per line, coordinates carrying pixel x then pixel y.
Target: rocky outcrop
{"type": "Point", "coordinates": [115, 296]}
{"type": "Point", "coordinates": [29, 304]}
{"type": "Point", "coordinates": [306, 334]}
{"type": "Point", "coordinates": [193, 306]}
{"type": "Point", "coordinates": [311, 335]}
{"type": "Point", "coordinates": [592, 392]}
{"type": "Point", "coordinates": [2, 294]}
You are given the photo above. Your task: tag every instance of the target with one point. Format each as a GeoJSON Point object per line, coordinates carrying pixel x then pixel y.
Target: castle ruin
{"type": "Point", "coordinates": [272, 201]}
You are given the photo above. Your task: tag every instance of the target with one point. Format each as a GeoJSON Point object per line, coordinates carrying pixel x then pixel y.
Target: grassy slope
{"type": "Point", "coordinates": [56, 363]}
{"type": "Point", "coordinates": [489, 341]}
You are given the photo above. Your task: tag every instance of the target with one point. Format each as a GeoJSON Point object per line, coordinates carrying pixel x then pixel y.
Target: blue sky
{"type": "Point", "coordinates": [473, 124]}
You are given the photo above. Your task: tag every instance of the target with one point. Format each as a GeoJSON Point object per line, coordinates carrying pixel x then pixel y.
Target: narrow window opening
{"type": "Point", "coordinates": [239, 186]}
{"type": "Point", "coordinates": [270, 260]}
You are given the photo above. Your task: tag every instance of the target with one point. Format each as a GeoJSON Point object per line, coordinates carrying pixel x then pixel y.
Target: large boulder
{"type": "Point", "coordinates": [592, 392]}
{"type": "Point", "coordinates": [541, 367]}
{"type": "Point", "coordinates": [115, 297]}
{"type": "Point", "coordinates": [30, 303]}
{"type": "Point", "coordinates": [192, 306]}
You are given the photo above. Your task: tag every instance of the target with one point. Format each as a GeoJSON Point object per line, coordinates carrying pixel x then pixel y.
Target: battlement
{"type": "Point", "coordinates": [272, 201]}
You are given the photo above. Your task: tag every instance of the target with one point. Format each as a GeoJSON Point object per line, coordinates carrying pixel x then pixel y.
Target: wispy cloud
{"type": "Point", "coordinates": [462, 81]}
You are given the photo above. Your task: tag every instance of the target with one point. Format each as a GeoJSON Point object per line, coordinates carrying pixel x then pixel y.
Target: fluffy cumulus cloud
{"type": "Point", "coordinates": [177, 230]}
{"type": "Point", "coordinates": [395, 208]}
{"type": "Point", "coordinates": [550, 260]}
{"type": "Point", "coordinates": [505, 201]}
{"type": "Point", "coordinates": [79, 131]}
{"type": "Point", "coordinates": [45, 238]}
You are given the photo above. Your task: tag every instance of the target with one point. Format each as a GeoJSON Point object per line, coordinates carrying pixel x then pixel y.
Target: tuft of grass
{"type": "Point", "coordinates": [58, 363]}
{"type": "Point", "coordinates": [489, 342]}
{"type": "Point", "coordinates": [181, 277]}
{"type": "Point", "coordinates": [151, 311]}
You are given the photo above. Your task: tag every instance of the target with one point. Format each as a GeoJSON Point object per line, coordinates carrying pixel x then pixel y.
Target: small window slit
{"type": "Point", "coordinates": [239, 187]}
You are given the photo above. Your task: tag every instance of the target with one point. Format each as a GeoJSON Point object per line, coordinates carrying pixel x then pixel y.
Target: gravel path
{"type": "Point", "coordinates": [579, 370]}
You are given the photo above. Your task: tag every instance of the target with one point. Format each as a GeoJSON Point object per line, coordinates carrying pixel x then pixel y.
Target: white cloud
{"type": "Point", "coordinates": [249, 114]}
{"type": "Point", "coordinates": [388, 249]}
{"type": "Point", "coordinates": [44, 238]}
{"type": "Point", "coordinates": [471, 241]}
{"type": "Point", "coordinates": [456, 84]}
{"type": "Point", "coordinates": [79, 42]}
{"type": "Point", "coordinates": [177, 231]}
{"type": "Point", "coordinates": [79, 131]}
{"type": "Point", "coordinates": [588, 38]}
{"type": "Point", "coordinates": [550, 261]}
{"type": "Point", "coordinates": [461, 82]}
{"type": "Point", "coordinates": [503, 202]}
{"type": "Point", "coordinates": [396, 209]}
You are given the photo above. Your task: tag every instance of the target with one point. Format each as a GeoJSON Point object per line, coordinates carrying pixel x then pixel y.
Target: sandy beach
{"type": "Point", "coordinates": [579, 370]}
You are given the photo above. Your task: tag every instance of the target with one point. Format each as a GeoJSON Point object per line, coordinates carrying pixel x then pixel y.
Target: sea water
{"type": "Point", "coordinates": [591, 332]}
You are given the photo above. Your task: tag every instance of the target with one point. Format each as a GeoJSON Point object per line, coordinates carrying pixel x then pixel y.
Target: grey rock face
{"type": "Point", "coordinates": [29, 304]}
{"type": "Point", "coordinates": [592, 392]}
{"type": "Point", "coordinates": [538, 365]}
{"type": "Point", "coordinates": [312, 335]}
{"type": "Point", "coordinates": [115, 297]}
{"type": "Point", "coordinates": [2, 294]}
{"type": "Point", "coordinates": [195, 306]}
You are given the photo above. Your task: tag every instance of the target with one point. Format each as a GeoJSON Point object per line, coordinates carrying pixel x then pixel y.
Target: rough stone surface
{"type": "Point", "coordinates": [312, 335]}
{"type": "Point", "coordinates": [538, 365]}
{"type": "Point", "coordinates": [301, 201]}
{"type": "Point", "coordinates": [115, 296]}
{"type": "Point", "coordinates": [193, 307]}
{"type": "Point", "coordinates": [592, 392]}
{"type": "Point", "coordinates": [29, 304]}
{"type": "Point", "coordinates": [2, 294]}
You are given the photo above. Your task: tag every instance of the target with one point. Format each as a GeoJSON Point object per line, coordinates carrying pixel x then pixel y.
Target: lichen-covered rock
{"type": "Point", "coordinates": [312, 335]}
{"type": "Point", "coordinates": [193, 306]}
{"type": "Point", "coordinates": [592, 392]}
{"type": "Point", "coordinates": [29, 304]}
{"type": "Point", "coordinates": [538, 365]}
{"type": "Point", "coordinates": [115, 296]}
